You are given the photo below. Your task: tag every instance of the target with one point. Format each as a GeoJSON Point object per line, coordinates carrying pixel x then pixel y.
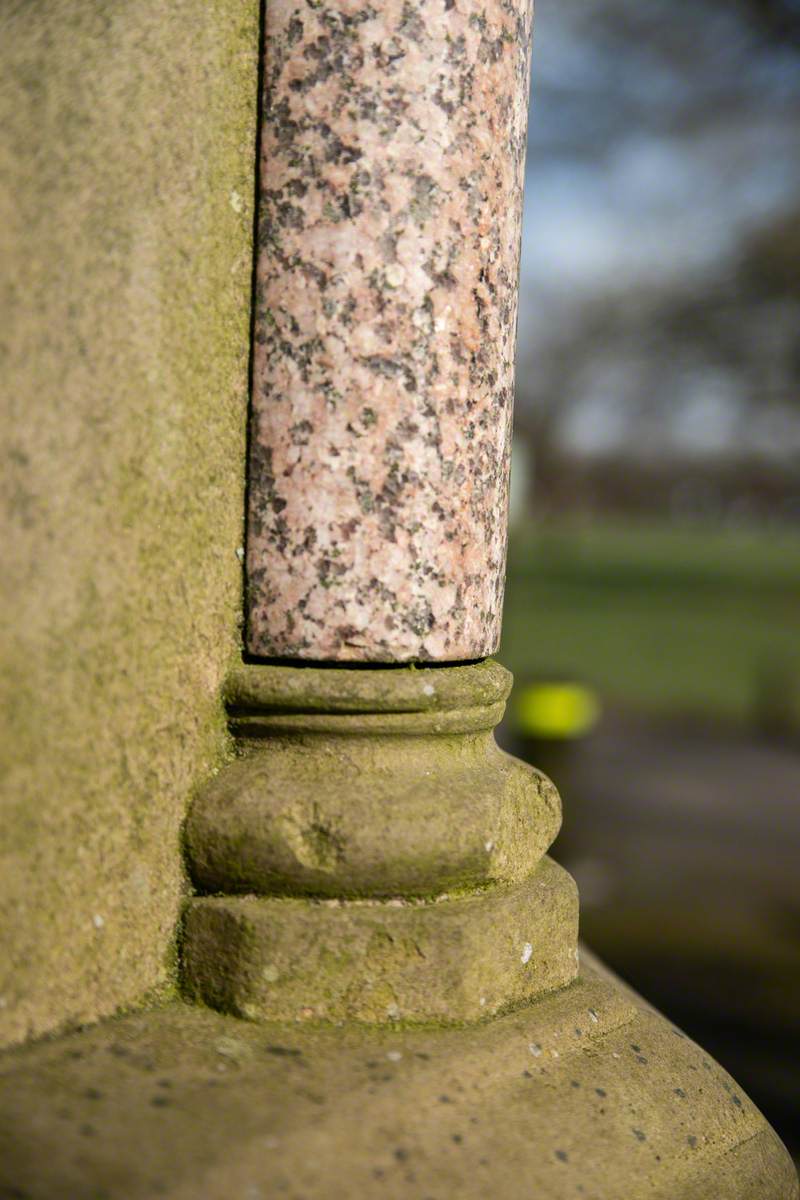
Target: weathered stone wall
{"type": "Point", "coordinates": [126, 164]}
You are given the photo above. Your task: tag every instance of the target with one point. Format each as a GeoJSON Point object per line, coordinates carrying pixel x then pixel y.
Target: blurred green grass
{"type": "Point", "coordinates": [660, 619]}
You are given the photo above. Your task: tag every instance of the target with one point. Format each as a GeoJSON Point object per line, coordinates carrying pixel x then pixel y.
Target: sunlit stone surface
{"type": "Point", "coordinates": [391, 183]}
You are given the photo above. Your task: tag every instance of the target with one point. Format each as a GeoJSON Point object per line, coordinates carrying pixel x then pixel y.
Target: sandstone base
{"type": "Point", "coordinates": [447, 961]}
{"type": "Point", "coordinates": [586, 1092]}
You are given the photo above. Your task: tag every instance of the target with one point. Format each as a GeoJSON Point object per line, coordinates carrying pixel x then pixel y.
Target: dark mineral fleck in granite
{"type": "Point", "coordinates": [391, 185]}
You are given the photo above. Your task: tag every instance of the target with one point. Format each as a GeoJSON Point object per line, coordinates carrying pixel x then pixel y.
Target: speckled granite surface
{"type": "Point", "coordinates": [392, 165]}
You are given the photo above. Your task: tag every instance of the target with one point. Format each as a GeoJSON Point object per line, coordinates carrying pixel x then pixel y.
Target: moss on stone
{"type": "Point", "coordinates": [348, 814]}
{"type": "Point", "coordinates": [550, 1101]}
{"type": "Point", "coordinates": [126, 186]}
{"type": "Point", "coordinates": [448, 961]}
{"type": "Point", "coordinates": [406, 689]}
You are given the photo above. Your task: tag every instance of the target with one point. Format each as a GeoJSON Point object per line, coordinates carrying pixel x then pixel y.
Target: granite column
{"type": "Point", "coordinates": [392, 167]}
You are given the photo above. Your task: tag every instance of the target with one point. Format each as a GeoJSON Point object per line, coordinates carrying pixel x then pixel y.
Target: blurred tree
{"type": "Point", "coordinates": [659, 362]}
{"type": "Point", "coordinates": [780, 17]}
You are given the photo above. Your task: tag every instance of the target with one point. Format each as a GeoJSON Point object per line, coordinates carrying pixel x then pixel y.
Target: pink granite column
{"type": "Point", "coordinates": [393, 152]}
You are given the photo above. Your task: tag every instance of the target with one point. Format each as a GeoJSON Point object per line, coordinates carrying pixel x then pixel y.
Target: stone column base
{"type": "Point", "coordinates": [372, 855]}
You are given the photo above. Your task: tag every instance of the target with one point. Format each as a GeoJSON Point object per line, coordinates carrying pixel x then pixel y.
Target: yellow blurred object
{"type": "Point", "coordinates": [556, 710]}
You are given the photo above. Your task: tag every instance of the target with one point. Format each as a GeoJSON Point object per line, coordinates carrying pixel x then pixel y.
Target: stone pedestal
{"type": "Point", "coordinates": [583, 1093]}
{"type": "Point", "coordinates": [375, 901]}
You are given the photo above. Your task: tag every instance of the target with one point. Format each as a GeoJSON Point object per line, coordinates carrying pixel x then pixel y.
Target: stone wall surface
{"type": "Point", "coordinates": [393, 156]}
{"type": "Point", "coordinates": [126, 164]}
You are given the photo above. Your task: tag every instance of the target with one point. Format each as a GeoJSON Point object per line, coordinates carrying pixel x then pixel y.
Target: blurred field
{"type": "Point", "coordinates": [681, 819]}
{"type": "Point", "coordinates": [662, 620]}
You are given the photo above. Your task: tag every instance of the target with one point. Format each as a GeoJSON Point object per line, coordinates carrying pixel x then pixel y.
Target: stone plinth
{"type": "Point", "coordinates": [391, 185]}
{"type": "Point", "coordinates": [585, 1093]}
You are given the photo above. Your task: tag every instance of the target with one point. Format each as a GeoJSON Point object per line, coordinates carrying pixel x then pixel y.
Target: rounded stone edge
{"type": "Point", "coordinates": [264, 826]}
{"type": "Point", "coordinates": [345, 1094]}
{"type": "Point", "coordinates": [407, 689]}
{"type": "Point", "coordinates": [251, 725]}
